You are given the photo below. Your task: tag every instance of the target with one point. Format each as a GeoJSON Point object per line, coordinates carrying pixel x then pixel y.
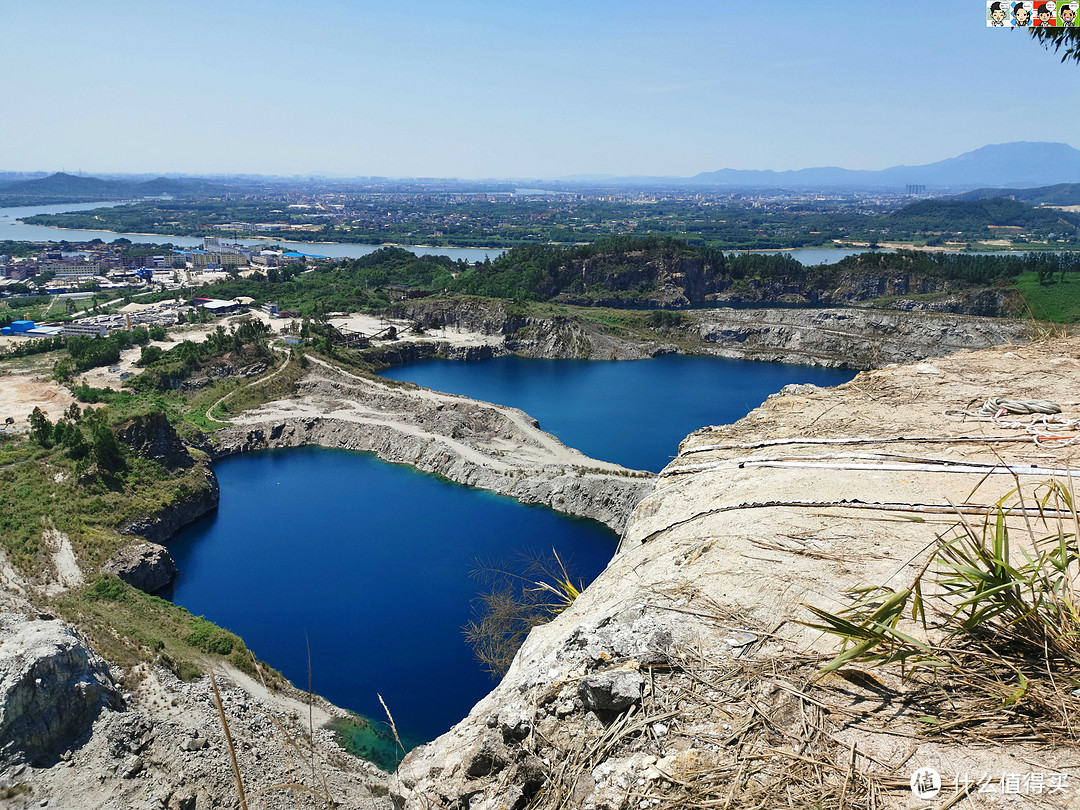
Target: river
{"type": "Point", "coordinates": [10, 228]}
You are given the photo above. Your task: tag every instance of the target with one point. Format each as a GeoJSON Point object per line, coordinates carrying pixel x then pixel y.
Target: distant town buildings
{"type": "Point", "coordinates": [97, 266]}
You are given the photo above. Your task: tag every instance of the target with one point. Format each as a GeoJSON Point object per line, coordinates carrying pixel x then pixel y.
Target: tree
{"type": "Point", "coordinates": [1055, 39]}
{"type": "Point", "coordinates": [104, 447]}
{"type": "Point", "coordinates": [41, 429]}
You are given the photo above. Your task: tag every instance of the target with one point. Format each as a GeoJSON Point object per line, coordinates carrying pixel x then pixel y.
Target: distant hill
{"type": "Point", "coordinates": [68, 185]}
{"type": "Point", "coordinates": [1060, 194]}
{"type": "Point", "coordinates": [975, 216]}
{"type": "Point", "coordinates": [1021, 164]}
{"type": "Point", "coordinates": [61, 187]}
{"type": "Point", "coordinates": [177, 187]}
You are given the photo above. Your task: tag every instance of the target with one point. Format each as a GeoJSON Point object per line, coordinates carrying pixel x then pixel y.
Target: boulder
{"type": "Point", "coordinates": [52, 687]}
{"type": "Point", "coordinates": [611, 692]}
{"type": "Point", "coordinates": [489, 755]}
{"type": "Point", "coordinates": [146, 566]}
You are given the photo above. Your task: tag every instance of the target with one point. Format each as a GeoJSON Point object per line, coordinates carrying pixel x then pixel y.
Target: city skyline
{"type": "Point", "coordinates": [480, 91]}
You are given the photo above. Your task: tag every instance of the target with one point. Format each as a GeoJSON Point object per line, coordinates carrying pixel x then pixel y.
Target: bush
{"type": "Point", "coordinates": [210, 638]}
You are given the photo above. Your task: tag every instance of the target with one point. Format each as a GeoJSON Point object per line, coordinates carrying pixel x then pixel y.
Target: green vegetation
{"type": "Point", "coordinates": [128, 626]}
{"type": "Point", "coordinates": [243, 345]}
{"type": "Point", "coordinates": [74, 477]}
{"type": "Point", "coordinates": [518, 601]}
{"type": "Point", "coordinates": [973, 219]}
{"type": "Point", "coordinates": [1060, 194]}
{"type": "Point", "coordinates": [76, 481]}
{"type": "Point", "coordinates": [716, 221]}
{"type": "Point", "coordinates": [1058, 302]}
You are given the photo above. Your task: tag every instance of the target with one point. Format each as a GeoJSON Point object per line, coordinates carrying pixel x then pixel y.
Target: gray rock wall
{"type": "Point", "coordinates": [164, 523]}
{"type": "Point", "coordinates": [52, 687]}
{"type": "Point", "coordinates": [599, 496]}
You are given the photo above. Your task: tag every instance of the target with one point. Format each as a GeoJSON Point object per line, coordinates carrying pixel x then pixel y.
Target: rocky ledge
{"type": "Point", "coordinates": [683, 676]}
{"type": "Point", "coordinates": [854, 337]}
{"type": "Point", "coordinates": [488, 446]}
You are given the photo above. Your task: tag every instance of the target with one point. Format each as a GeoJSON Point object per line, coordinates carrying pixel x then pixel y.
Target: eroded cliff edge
{"type": "Point", "coordinates": [682, 675]}
{"type": "Point", "coordinates": [493, 447]}
{"type": "Point", "coordinates": [853, 337]}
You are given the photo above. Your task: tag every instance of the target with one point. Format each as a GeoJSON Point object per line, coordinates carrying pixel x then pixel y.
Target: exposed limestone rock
{"type": "Point", "coordinates": [487, 757]}
{"type": "Point", "coordinates": [849, 338]}
{"type": "Point", "coordinates": [146, 566]}
{"type": "Point", "coordinates": [167, 750]}
{"type": "Point", "coordinates": [475, 443]}
{"type": "Point", "coordinates": [611, 692]}
{"type": "Point", "coordinates": [160, 526]}
{"type": "Point", "coordinates": [152, 437]}
{"type": "Point", "coordinates": [52, 687]}
{"type": "Point", "coordinates": [859, 338]}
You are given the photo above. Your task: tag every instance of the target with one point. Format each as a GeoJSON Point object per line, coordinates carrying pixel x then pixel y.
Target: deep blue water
{"type": "Point", "coordinates": [370, 562]}
{"type": "Point", "coordinates": [631, 412]}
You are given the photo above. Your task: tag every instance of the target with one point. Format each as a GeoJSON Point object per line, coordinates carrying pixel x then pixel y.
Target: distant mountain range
{"type": "Point", "coordinates": [1003, 169]}
{"type": "Point", "coordinates": [1019, 165]}
{"type": "Point", "coordinates": [61, 185]}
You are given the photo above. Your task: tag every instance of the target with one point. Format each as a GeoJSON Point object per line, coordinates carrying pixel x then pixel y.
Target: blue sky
{"type": "Point", "coordinates": [527, 89]}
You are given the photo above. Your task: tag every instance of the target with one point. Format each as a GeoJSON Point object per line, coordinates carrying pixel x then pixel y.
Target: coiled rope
{"type": "Point", "coordinates": [1041, 427]}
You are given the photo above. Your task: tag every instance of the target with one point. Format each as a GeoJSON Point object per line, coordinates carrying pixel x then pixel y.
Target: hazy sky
{"type": "Point", "coordinates": [494, 88]}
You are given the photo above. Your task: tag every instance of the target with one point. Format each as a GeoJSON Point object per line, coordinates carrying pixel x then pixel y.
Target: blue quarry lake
{"type": "Point", "coordinates": [372, 563]}
{"type": "Point", "coordinates": [635, 412]}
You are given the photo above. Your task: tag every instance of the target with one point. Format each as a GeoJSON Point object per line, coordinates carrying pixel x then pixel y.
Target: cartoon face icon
{"type": "Point", "coordinates": [1044, 15]}
{"type": "Point", "coordinates": [998, 14]}
{"type": "Point", "coordinates": [1067, 15]}
{"type": "Point", "coordinates": [1021, 14]}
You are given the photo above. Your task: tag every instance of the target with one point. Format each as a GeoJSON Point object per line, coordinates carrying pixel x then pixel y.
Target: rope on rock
{"type": "Point", "coordinates": [996, 407]}
{"type": "Point", "coordinates": [1042, 427]}
{"type": "Point", "coordinates": [1020, 406]}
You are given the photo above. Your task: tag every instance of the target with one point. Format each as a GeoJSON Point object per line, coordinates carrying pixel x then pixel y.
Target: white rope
{"type": "Point", "coordinates": [870, 462]}
{"type": "Point", "coordinates": [1043, 426]}
{"type": "Point", "coordinates": [996, 407]}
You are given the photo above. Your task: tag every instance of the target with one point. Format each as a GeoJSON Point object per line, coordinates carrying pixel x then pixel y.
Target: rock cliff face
{"type": "Point", "coordinates": [849, 338]}
{"type": "Point", "coordinates": [52, 688]}
{"type": "Point", "coordinates": [146, 566]}
{"type": "Point", "coordinates": [857, 288]}
{"type": "Point", "coordinates": [488, 446]}
{"type": "Point", "coordinates": [159, 526]}
{"type": "Point", "coordinates": [151, 436]}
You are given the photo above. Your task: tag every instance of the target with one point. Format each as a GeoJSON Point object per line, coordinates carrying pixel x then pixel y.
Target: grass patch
{"type": "Point", "coordinates": [253, 393]}
{"type": "Point", "coordinates": [43, 489]}
{"type": "Point", "coordinates": [128, 627]}
{"type": "Point", "coordinates": [1058, 302]}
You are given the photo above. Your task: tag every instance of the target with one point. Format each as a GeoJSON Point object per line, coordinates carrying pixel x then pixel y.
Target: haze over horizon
{"type": "Point", "coordinates": [476, 90]}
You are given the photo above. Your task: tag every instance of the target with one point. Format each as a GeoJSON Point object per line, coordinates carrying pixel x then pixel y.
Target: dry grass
{"type": "Point", "coordinates": [750, 734]}
{"type": "Point", "coordinates": [987, 636]}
